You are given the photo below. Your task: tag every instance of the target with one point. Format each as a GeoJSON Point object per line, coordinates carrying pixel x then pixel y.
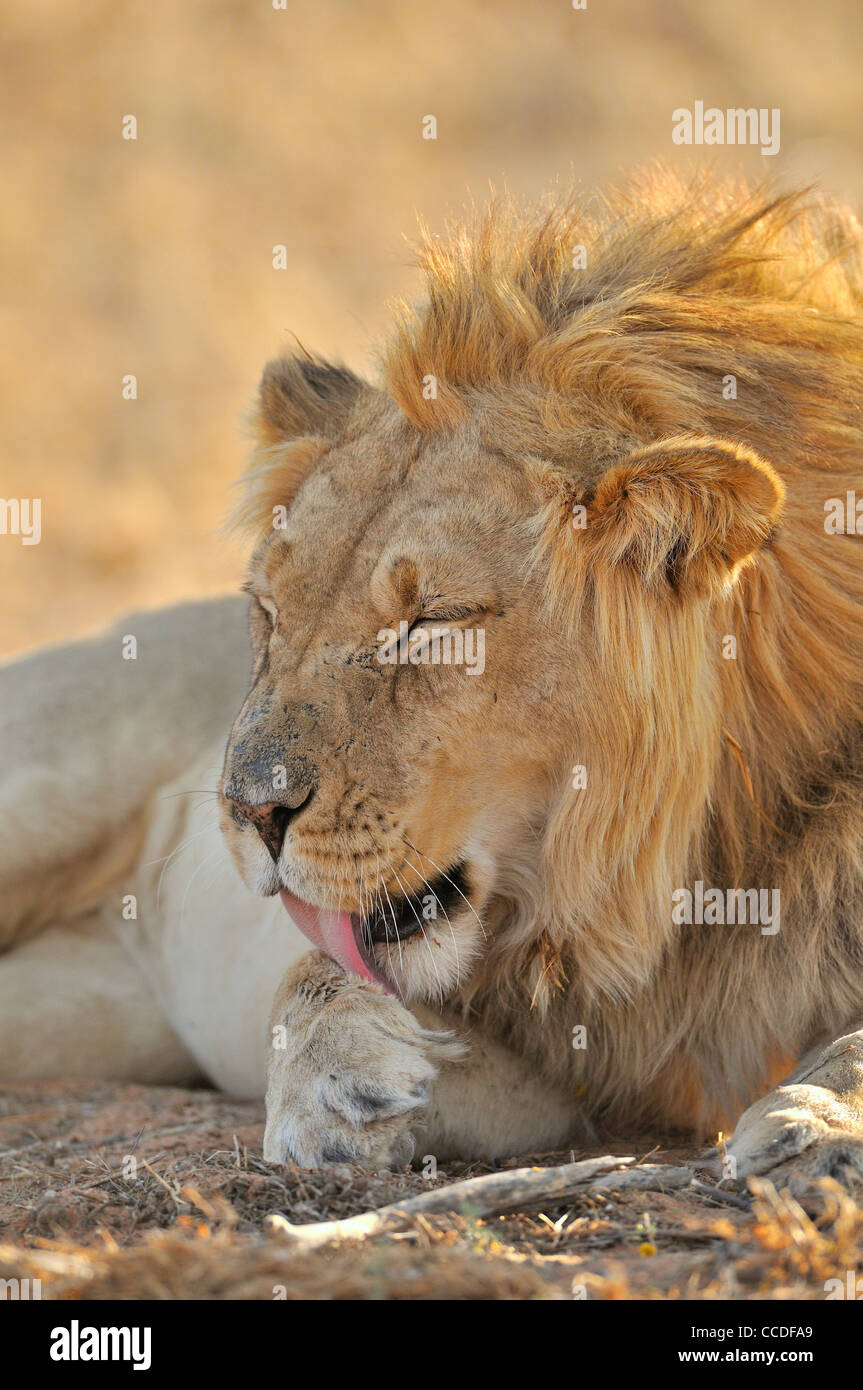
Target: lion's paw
{"type": "Point", "coordinates": [795, 1134]}
{"type": "Point", "coordinates": [349, 1070]}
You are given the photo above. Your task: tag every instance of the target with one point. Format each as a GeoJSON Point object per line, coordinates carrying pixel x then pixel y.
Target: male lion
{"type": "Point", "coordinates": [611, 875]}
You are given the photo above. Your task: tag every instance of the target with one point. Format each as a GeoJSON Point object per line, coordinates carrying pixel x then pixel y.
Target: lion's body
{"type": "Point", "coordinates": [110, 766]}
{"type": "Point", "coordinates": [696, 391]}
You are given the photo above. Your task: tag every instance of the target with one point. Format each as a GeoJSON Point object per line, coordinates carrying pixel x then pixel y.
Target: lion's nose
{"type": "Point", "coordinates": [271, 819]}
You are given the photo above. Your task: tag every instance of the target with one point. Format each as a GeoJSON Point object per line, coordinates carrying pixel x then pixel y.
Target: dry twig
{"type": "Point", "coordinates": [489, 1195]}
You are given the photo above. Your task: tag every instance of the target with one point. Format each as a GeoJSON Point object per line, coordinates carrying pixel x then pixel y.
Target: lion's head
{"type": "Point", "coordinates": [403, 723]}
{"type": "Point", "coordinates": [488, 598]}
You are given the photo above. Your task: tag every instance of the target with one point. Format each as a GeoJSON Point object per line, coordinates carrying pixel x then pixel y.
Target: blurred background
{"type": "Point", "coordinates": [302, 127]}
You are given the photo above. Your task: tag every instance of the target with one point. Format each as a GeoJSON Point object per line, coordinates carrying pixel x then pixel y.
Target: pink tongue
{"type": "Point", "coordinates": [334, 934]}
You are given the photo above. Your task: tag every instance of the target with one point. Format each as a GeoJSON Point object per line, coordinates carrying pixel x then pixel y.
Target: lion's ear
{"type": "Point", "coordinates": [305, 396]}
{"type": "Point", "coordinates": [303, 402]}
{"type": "Point", "coordinates": [686, 512]}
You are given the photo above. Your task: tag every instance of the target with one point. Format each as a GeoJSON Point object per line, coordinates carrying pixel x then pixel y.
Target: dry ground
{"type": "Point", "coordinates": [111, 1191]}
{"type": "Point", "coordinates": [302, 128]}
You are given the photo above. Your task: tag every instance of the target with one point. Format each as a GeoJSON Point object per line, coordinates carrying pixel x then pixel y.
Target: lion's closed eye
{"type": "Point", "coordinates": [457, 616]}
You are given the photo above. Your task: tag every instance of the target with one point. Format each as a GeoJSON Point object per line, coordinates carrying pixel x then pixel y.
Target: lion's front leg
{"type": "Point", "coordinates": [355, 1077]}
{"type": "Point", "coordinates": [348, 1070]}
{"type": "Point", "coordinates": [812, 1126]}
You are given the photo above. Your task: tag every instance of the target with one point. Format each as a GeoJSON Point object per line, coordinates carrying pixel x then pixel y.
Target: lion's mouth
{"type": "Point", "coordinates": [350, 938]}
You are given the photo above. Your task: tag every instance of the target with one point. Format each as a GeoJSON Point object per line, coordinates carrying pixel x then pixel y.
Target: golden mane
{"type": "Point", "coordinates": [677, 276]}
{"type": "Point", "coordinates": [733, 770]}
{"type": "Point", "coordinates": [684, 362]}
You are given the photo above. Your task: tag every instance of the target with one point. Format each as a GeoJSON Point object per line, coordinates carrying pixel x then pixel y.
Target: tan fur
{"type": "Point", "coordinates": [603, 387]}
{"type": "Point", "coordinates": [562, 394]}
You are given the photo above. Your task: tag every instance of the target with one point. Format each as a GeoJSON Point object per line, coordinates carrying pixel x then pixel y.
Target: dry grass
{"type": "Point", "coordinates": [189, 1219]}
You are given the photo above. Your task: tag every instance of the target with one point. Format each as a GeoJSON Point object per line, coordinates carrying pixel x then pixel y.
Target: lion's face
{"type": "Point", "coordinates": [392, 759]}
{"type": "Point", "coordinates": [439, 639]}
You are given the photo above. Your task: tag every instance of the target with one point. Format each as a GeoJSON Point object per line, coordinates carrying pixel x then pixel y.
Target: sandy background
{"type": "Point", "coordinates": [303, 127]}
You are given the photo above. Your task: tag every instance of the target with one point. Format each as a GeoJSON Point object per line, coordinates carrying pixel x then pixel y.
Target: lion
{"type": "Point", "coordinates": [608, 878]}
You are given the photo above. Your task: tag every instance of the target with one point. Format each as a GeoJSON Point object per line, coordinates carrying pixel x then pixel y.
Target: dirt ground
{"type": "Point", "coordinates": [112, 1191]}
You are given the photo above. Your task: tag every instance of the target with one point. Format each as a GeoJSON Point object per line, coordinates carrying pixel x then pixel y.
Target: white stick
{"type": "Point", "coordinates": [489, 1195]}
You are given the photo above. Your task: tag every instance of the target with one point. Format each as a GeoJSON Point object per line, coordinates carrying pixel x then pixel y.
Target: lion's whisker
{"type": "Point", "coordinates": [192, 791]}
{"type": "Point", "coordinates": [448, 922]}
{"type": "Point", "coordinates": [206, 860]}
{"type": "Point", "coordinates": [393, 912]}
{"type": "Point", "coordinates": [425, 937]}
{"type": "Point", "coordinates": [165, 860]}
{"type": "Point", "coordinates": [416, 850]}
